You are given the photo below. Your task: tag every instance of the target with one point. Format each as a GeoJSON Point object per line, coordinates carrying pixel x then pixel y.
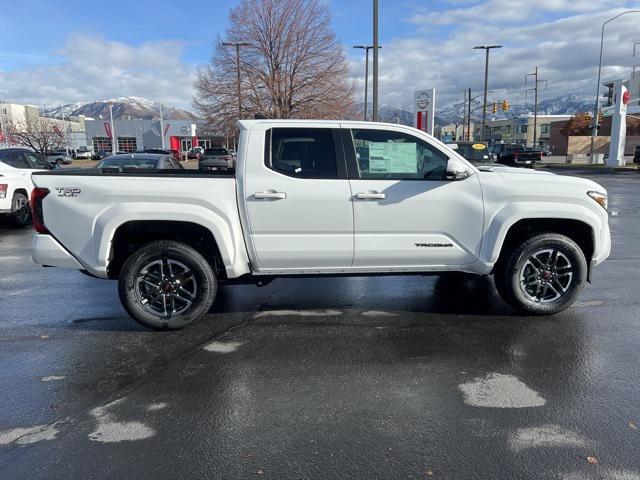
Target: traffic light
{"type": "Point", "coordinates": [494, 107]}
{"type": "Point", "coordinates": [505, 105]}
{"type": "Point", "coordinates": [600, 118]}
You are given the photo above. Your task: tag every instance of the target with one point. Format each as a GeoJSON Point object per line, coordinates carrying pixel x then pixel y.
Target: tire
{"type": "Point", "coordinates": [184, 295]}
{"type": "Point", "coordinates": [543, 275]}
{"type": "Point", "coordinates": [20, 212]}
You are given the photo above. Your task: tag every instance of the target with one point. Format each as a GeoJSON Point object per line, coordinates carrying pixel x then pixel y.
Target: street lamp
{"type": "Point", "coordinates": [366, 48]}
{"type": "Point", "coordinates": [375, 61]}
{"type": "Point", "coordinates": [486, 48]}
{"type": "Point", "coordinates": [237, 45]}
{"type": "Point", "coordinates": [594, 128]}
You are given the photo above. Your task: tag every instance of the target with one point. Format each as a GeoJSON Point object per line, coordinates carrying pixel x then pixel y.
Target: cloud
{"type": "Point", "coordinates": [92, 68]}
{"type": "Point", "coordinates": [563, 42]}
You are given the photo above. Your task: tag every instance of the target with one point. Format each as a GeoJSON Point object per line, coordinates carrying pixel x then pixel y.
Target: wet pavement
{"type": "Point", "coordinates": [390, 377]}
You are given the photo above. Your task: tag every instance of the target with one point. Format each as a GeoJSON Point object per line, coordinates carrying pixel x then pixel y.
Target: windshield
{"type": "Point", "coordinates": [476, 152]}
{"type": "Point", "coordinates": [128, 162]}
{"type": "Point", "coordinates": [513, 148]}
{"type": "Point", "coordinates": [216, 151]}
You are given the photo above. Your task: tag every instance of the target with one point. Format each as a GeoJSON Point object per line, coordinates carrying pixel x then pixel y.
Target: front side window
{"type": "Point", "coordinates": [388, 155]}
{"type": "Point", "coordinates": [302, 152]}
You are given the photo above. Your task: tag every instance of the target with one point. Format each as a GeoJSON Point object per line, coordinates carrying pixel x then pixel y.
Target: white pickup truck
{"type": "Point", "coordinates": [321, 198]}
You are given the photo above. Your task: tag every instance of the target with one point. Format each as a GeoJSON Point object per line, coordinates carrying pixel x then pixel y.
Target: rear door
{"type": "Point", "coordinates": [407, 214]}
{"type": "Point", "coordinates": [298, 199]}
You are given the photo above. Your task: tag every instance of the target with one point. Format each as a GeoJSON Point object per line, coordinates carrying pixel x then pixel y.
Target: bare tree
{"type": "Point", "coordinates": [41, 134]}
{"type": "Point", "coordinates": [293, 67]}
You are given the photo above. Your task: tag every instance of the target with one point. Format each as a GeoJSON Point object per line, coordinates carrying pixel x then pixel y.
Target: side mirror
{"type": "Point", "coordinates": [456, 170]}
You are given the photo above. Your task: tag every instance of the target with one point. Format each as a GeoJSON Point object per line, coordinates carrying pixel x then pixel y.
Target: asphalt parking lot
{"type": "Point", "coordinates": [393, 377]}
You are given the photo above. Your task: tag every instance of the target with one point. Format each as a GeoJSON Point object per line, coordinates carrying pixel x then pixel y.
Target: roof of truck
{"type": "Point", "coordinates": [247, 124]}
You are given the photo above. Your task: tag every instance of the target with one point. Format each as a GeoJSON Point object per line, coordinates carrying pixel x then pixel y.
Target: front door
{"type": "Point", "coordinates": [406, 213]}
{"type": "Point", "coordinates": [298, 200]}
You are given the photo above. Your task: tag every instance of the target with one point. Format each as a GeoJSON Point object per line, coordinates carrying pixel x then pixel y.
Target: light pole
{"type": "Point", "coordinates": [237, 45]}
{"type": "Point", "coordinates": [486, 48]}
{"type": "Point", "coordinates": [375, 61]}
{"type": "Point", "coordinates": [113, 130]}
{"type": "Point", "coordinates": [594, 128]}
{"type": "Point", "coordinates": [366, 48]}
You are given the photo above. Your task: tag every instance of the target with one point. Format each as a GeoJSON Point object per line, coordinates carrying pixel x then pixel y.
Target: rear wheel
{"type": "Point", "coordinates": [166, 285]}
{"type": "Point", "coordinates": [543, 275]}
{"type": "Point", "coordinates": [20, 212]}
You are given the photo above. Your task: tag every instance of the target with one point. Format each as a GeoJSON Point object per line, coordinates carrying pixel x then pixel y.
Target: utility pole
{"type": "Point", "coordinates": [486, 48]}
{"type": "Point", "coordinates": [469, 133]}
{"type": "Point", "coordinates": [113, 130]}
{"type": "Point", "coordinates": [366, 76]}
{"type": "Point", "coordinates": [464, 117]}
{"type": "Point", "coordinates": [237, 45]}
{"type": "Point", "coordinates": [375, 61]}
{"type": "Point", "coordinates": [536, 82]}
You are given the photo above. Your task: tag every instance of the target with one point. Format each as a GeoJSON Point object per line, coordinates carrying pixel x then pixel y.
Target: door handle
{"type": "Point", "coordinates": [371, 196]}
{"type": "Point", "coordinates": [269, 195]}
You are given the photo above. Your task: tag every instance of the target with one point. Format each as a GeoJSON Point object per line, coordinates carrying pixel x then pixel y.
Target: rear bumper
{"type": "Point", "coordinates": [46, 250]}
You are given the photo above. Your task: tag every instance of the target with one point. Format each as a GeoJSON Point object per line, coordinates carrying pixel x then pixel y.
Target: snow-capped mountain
{"type": "Point", "coordinates": [123, 107]}
{"type": "Point", "coordinates": [562, 105]}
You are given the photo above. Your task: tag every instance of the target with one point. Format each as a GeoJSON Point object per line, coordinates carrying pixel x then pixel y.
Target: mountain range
{"type": "Point", "coordinates": [137, 107]}
{"type": "Point", "coordinates": [123, 107]}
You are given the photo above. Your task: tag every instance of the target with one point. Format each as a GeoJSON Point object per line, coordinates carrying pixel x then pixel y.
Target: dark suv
{"type": "Point", "coordinates": [636, 154]}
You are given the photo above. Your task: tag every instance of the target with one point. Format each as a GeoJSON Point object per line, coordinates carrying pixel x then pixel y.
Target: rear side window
{"type": "Point", "coordinates": [16, 160]}
{"type": "Point", "coordinates": [302, 152]}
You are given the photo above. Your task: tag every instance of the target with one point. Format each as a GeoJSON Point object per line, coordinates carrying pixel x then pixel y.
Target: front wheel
{"type": "Point", "coordinates": [166, 285]}
{"type": "Point", "coordinates": [543, 275]}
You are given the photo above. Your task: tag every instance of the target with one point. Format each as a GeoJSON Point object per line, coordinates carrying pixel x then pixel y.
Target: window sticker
{"type": "Point", "coordinates": [390, 157]}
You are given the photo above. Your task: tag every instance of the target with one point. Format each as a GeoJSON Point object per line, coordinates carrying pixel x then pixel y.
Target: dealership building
{"type": "Point", "coordinates": [138, 134]}
{"type": "Point", "coordinates": [520, 129]}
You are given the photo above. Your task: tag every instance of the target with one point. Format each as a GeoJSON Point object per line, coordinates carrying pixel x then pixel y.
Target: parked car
{"type": "Point", "coordinates": [475, 152]}
{"type": "Point", "coordinates": [16, 167]}
{"type": "Point", "coordinates": [131, 161]}
{"type": "Point", "coordinates": [195, 153]}
{"type": "Point", "coordinates": [636, 154]}
{"type": "Point", "coordinates": [14, 198]}
{"type": "Point", "coordinates": [59, 157]}
{"type": "Point", "coordinates": [100, 154]}
{"type": "Point", "coordinates": [161, 151]}
{"type": "Point", "coordinates": [216, 159]}
{"type": "Point", "coordinates": [515, 155]}
{"type": "Point", "coordinates": [546, 152]}
{"type": "Point", "coordinates": [82, 153]}
{"type": "Point", "coordinates": [303, 205]}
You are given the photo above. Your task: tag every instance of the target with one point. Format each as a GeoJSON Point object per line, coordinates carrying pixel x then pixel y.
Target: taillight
{"type": "Point", "coordinates": [3, 190]}
{"type": "Point", "coordinates": [36, 209]}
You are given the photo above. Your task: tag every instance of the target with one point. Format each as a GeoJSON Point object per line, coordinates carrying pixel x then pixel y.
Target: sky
{"type": "Point", "coordinates": [57, 52]}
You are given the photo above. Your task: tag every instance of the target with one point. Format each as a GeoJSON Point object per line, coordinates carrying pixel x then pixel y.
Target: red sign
{"type": "Point", "coordinates": [625, 97]}
{"type": "Point", "coordinates": [107, 128]}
